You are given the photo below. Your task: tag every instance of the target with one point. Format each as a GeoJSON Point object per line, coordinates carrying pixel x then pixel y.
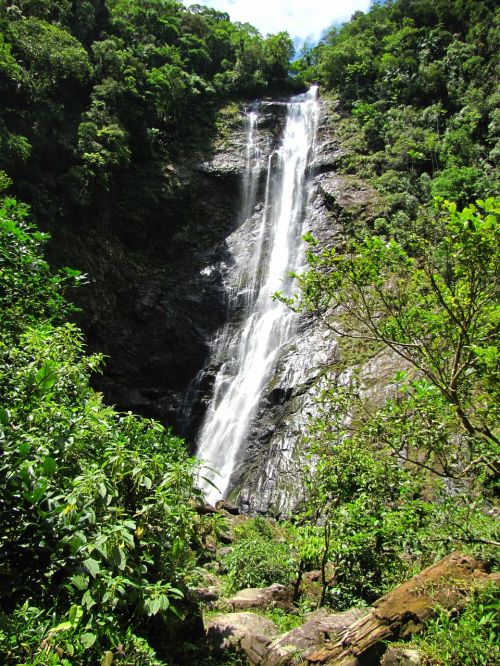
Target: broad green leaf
{"type": "Point", "coordinates": [119, 557]}
{"type": "Point", "coordinates": [4, 416]}
{"type": "Point", "coordinates": [80, 581]}
{"type": "Point", "coordinates": [87, 640]}
{"type": "Point", "coordinates": [107, 659]}
{"type": "Point", "coordinates": [46, 377]}
{"type": "Point", "coordinates": [92, 566]}
{"type": "Point", "coordinates": [87, 600]}
{"type": "Point", "coordinates": [64, 626]}
{"type": "Point", "coordinates": [49, 465]}
{"type": "Point", "coordinates": [75, 614]}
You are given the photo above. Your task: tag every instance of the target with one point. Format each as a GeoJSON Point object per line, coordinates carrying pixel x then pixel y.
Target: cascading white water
{"type": "Point", "coordinates": [248, 354]}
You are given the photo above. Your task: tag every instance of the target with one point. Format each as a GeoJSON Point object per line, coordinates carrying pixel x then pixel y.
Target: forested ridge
{"type": "Point", "coordinates": [98, 96]}
{"type": "Point", "coordinates": [103, 535]}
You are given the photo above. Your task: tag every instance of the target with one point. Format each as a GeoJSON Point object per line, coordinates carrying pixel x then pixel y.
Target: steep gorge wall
{"type": "Point", "coordinates": [270, 474]}
{"type": "Point", "coordinates": [154, 306]}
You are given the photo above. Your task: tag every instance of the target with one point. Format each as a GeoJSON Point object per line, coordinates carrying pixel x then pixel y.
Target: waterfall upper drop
{"type": "Point", "coordinates": [258, 327]}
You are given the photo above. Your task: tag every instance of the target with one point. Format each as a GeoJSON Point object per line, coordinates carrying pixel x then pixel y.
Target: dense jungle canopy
{"type": "Point", "coordinates": [100, 536]}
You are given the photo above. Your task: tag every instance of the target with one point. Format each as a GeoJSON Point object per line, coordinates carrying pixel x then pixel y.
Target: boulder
{"type": "Point", "coordinates": [320, 626]}
{"type": "Point", "coordinates": [403, 611]}
{"type": "Point", "coordinates": [327, 156]}
{"type": "Point", "coordinates": [206, 595]}
{"type": "Point", "coordinates": [247, 633]}
{"type": "Point", "coordinates": [312, 576]}
{"type": "Point", "coordinates": [222, 552]}
{"type": "Point", "coordinates": [310, 584]}
{"type": "Point", "coordinates": [208, 578]}
{"type": "Point", "coordinates": [274, 596]}
{"type": "Point", "coordinates": [205, 509]}
{"type": "Point", "coordinates": [347, 193]}
{"type": "Point", "coordinates": [399, 656]}
{"type": "Point", "coordinates": [223, 505]}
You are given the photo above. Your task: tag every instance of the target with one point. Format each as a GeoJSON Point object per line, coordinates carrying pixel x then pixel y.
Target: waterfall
{"type": "Point", "coordinates": [247, 351]}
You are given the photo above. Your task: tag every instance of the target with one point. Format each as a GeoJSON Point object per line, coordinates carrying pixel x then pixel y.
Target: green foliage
{"type": "Point", "coordinates": [283, 620]}
{"type": "Point", "coordinates": [100, 539]}
{"type": "Point", "coordinates": [29, 291]}
{"type": "Point", "coordinates": [411, 476]}
{"type": "Point", "coordinates": [103, 147]}
{"type": "Point", "coordinates": [54, 56]}
{"type": "Point", "coordinates": [260, 556]}
{"type": "Point", "coordinates": [459, 184]}
{"type": "Point", "coordinates": [438, 311]}
{"type": "Point", "coordinates": [8, 64]}
{"type": "Point", "coordinates": [278, 51]}
{"type": "Point", "coordinates": [471, 639]}
{"type": "Point", "coordinates": [99, 95]}
{"type": "Point", "coordinates": [422, 103]}
{"type": "Point", "coordinates": [358, 500]}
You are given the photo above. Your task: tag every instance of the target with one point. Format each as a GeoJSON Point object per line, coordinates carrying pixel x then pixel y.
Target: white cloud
{"type": "Point", "coordinates": [303, 19]}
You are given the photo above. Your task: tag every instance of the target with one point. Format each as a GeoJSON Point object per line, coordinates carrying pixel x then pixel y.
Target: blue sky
{"type": "Point", "coordinates": [303, 19]}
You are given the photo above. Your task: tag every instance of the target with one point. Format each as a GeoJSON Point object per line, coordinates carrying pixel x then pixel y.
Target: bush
{"type": "Point", "coordinates": [95, 511]}
{"type": "Point", "coordinates": [459, 184]}
{"type": "Point", "coordinates": [472, 639]}
{"type": "Point", "coordinates": [259, 558]}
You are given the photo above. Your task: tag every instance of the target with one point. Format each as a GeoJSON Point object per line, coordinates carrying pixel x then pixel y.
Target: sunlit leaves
{"type": "Point", "coordinates": [51, 53]}
{"type": "Point", "coordinates": [102, 503]}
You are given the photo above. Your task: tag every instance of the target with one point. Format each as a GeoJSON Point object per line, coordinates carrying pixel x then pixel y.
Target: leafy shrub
{"type": "Point", "coordinates": [257, 527]}
{"type": "Point", "coordinates": [460, 184]}
{"type": "Point", "coordinates": [95, 512]}
{"type": "Point", "coordinates": [471, 639]}
{"type": "Point", "coordinates": [258, 557]}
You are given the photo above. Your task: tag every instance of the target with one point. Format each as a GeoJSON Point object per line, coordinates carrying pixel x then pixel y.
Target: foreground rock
{"type": "Point", "coordinates": [275, 596]}
{"type": "Point", "coordinates": [398, 656]}
{"type": "Point", "coordinates": [302, 641]}
{"type": "Point", "coordinates": [224, 506]}
{"type": "Point", "coordinates": [402, 612]}
{"type": "Point", "coordinates": [207, 595]}
{"type": "Point", "coordinates": [248, 633]}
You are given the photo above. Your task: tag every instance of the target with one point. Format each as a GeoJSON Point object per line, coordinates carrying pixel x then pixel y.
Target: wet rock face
{"type": "Point", "coordinates": [247, 633]}
{"type": "Point", "coordinates": [155, 301]}
{"type": "Point", "coordinates": [269, 475]}
{"type": "Point", "coordinates": [154, 311]}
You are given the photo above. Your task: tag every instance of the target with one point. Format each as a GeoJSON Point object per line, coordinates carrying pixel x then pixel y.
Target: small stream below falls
{"type": "Point", "coordinates": [259, 328]}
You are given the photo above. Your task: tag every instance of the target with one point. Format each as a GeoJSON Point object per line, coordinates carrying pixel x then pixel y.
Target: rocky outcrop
{"type": "Point", "coordinates": [206, 595]}
{"type": "Point", "coordinates": [155, 311]}
{"type": "Point", "coordinates": [247, 633]}
{"type": "Point", "coordinates": [262, 598]}
{"type": "Point", "coordinates": [226, 507]}
{"type": "Point", "coordinates": [399, 656]}
{"type": "Point", "coordinates": [403, 612]}
{"type": "Point", "coordinates": [155, 297]}
{"type": "Point", "coordinates": [357, 637]}
{"type": "Point", "coordinates": [294, 646]}
{"type": "Point", "coordinates": [346, 193]}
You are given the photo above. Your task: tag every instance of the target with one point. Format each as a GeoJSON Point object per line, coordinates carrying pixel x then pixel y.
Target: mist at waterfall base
{"type": "Point", "coordinates": [247, 351]}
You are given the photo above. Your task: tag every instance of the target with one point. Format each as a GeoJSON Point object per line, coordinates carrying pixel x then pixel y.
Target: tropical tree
{"type": "Point", "coordinates": [435, 304]}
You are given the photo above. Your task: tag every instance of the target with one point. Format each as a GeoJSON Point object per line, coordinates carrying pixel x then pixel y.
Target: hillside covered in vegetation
{"type": "Point", "coordinates": [105, 541]}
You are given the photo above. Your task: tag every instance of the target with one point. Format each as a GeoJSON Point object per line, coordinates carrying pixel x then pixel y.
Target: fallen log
{"type": "Point", "coordinates": [404, 611]}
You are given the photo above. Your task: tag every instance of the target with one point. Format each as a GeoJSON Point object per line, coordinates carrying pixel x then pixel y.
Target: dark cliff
{"type": "Point", "coordinates": [156, 298]}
